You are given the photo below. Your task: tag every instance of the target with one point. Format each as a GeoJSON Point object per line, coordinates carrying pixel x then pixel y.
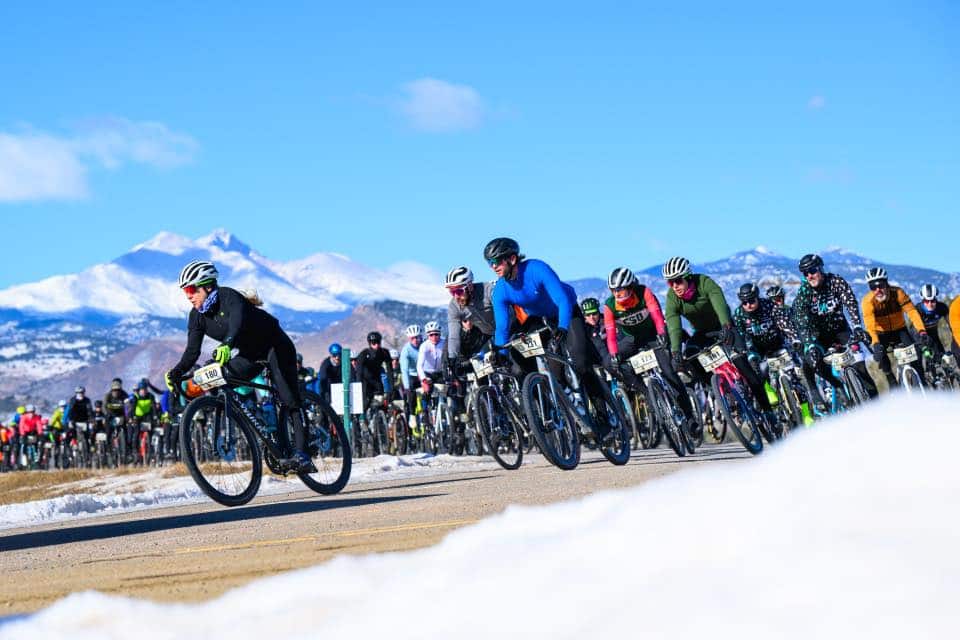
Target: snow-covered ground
{"type": "Point", "coordinates": [849, 530]}
{"type": "Point", "coordinates": [150, 490]}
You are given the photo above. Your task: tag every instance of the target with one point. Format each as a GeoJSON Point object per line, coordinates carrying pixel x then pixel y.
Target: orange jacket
{"type": "Point", "coordinates": [884, 317]}
{"type": "Point", "coordinates": [954, 319]}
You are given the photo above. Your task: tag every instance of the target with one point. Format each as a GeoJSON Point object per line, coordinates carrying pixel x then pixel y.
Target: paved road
{"type": "Point", "coordinates": [198, 551]}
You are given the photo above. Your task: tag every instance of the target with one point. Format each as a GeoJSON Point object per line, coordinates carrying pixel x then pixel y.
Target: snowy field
{"type": "Point", "coordinates": [849, 530]}
{"type": "Point", "coordinates": [150, 490]}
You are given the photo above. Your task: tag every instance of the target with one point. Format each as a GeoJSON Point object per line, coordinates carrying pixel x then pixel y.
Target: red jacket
{"type": "Point", "coordinates": [30, 423]}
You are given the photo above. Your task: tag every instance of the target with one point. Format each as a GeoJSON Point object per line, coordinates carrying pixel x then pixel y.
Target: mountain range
{"type": "Point", "coordinates": [62, 329]}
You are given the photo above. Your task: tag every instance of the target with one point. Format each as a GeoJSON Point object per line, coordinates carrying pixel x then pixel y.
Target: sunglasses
{"type": "Point", "coordinates": [496, 261]}
{"type": "Point", "coordinates": [810, 272]}
{"type": "Point", "coordinates": [458, 291]}
{"type": "Point", "coordinates": [877, 284]}
{"type": "Point", "coordinates": [190, 289]}
{"type": "Point", "coordinates": [673, 281]}
{"type": "Point", "coordinates": [746, 302]}
{"type": "Point", "coordinates": [430, 335]}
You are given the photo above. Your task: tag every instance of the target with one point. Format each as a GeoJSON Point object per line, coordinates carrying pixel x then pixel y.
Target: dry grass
{"type": "Point", "coordinates": [25, 486]}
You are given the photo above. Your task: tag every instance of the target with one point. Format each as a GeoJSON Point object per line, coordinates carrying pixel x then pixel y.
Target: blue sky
{"type": "Point", "coordinates": [595, 134]}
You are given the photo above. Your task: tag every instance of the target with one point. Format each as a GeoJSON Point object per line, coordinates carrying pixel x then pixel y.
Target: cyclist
{"type": "Point", "coordinates": [227, 316]}
{"type": "Point", "coordinates": [99, 418]}
{"type": "Point", "coordinates": [767, 329]}
{"type": "Point", "coordinates": [408, 366]}
{"type": "Point", "coordinates": [596, 330]}
{"type": "Point", "coordinates": [430, 356]}
{"type": "Point", "coordinates": [633, 321]}
{"type": "Point", "coordinates": [883, 309]}
{"type": "Point", "coordinates": [470, 322]}
{"type": "Point", "coordinates": [80, 409]}
{"type": "Point", "coordinates": [330, 371]}
{"type": "Point", "coordinates": [778, 296]}
{"type": "Point", "coordinates": [30, 423]}
{"type": "Point", "coordinates": [56, 418]}
{"type": "Point", "coordinates": [700, 300]}
{"type": "Point", "coordinates": [818, 313]}
{"type": "Point", "coordinates": [371, 362]}
{"type": "Point", "coordinates": [142, 406]}
{"type": "Point", "coordinates": [306, 375]}
{"type": "Point", "coordinates": [533, 290]}
{"type": "Point", "coordinates": [932, 311]}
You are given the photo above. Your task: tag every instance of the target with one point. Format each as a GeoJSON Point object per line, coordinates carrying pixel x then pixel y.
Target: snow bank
{"type": "Point", "coordinates": [113, 494]}
{"type": "Point", "coordinates": [850, 530]}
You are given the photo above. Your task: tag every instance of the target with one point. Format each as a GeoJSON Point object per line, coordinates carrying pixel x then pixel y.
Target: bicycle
{"type": "Point", "coordinates": [555, 410]}
{"type": "Point", "coordinates": [942, 372]}
{"type": "Point", "coordinates": [498, 415]}
{"type": "Point", "coordinates": [791, 387]}
{"type": "Point", "coordinates": [663, 402]}
{"type": "Point", "coordinates": [842, 359]}
{"type": "Point", "coordinates": [224, 444]}
{"type": "Point", "coordinates": [907, 375]}
{"type": "Point", "coordinates": [438, 419]}
{"type": "Point", "coordinates": [733, 397]}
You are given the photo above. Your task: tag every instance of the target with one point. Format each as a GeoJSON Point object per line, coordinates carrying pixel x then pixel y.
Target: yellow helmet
{"type": "Point", "coordinates": [21, 409]}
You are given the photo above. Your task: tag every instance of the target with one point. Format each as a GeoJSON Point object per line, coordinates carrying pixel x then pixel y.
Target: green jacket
{"type": "Point", "coordinates": [708, 311]}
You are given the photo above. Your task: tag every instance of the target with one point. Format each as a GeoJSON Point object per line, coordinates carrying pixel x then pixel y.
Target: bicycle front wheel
{"type": "Point", "coordinates": [220, 452]}
{"type": "Point", "coordinates": [659, 405]}
{"type": "Point", "coordinates": [551, 423]}
{"type": "Point", "coordinates": [609, 411]}
{"type": "Point", "coordinates": [501, 436]}
{"type": "Point", "coordinates": [910, 380]}
{"type": "Point", "coordinates": [326, 446]}
{"type": "Point", "coordinates": [739, 416]}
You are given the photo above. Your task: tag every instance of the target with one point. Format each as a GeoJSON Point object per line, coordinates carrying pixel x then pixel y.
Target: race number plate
{"type": "Point", "coordinates": [529, 345]}
{"type": "Point", "coordinates": [481, 367]}
{"type": "Point", "coordinates": [82, 426]}
{"type": "Point", "coordinates": [48, 445]}
{"type": "Point", "coordinates": [440, 388]}
{"type": "Point", "coordinates": [146, 426]}
{"type": "Point", "coordinates": [843, 359]}
{"type": "Point", "coordinates": [209, 377]}
{"type": "Point", "coordinates": [713, 358]}
{"type": "Point", "coordinates": [644, 361]}
{"type": "Point", "coordinates": [780, 362]}
{"type": "Point", "coordinates": [101, 437]}
{"type": "Point", "coordinates": [905, 355]}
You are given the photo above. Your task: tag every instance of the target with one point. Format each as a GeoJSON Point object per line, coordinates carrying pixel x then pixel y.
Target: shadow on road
{"type": "Point", "coordinates": [407, 485]}
{"type": "Point", "coordinates": [35, 539]}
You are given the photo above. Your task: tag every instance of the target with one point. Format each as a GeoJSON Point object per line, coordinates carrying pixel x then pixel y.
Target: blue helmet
{"type": "Point", "coordinates": [335, 349]}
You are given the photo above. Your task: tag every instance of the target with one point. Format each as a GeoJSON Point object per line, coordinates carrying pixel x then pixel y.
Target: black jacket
{"type": "Point", "coordinates": [231, 320]}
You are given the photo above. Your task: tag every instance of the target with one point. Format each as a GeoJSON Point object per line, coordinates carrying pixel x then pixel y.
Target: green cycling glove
{"type": "Point", "coordinates": [222, 354]}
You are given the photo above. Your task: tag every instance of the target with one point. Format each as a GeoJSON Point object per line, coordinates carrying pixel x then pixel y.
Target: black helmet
{"type": "Point", "coordinates": [143, 384]}
{"type": "Point", "coordinates": [374, 336]}
{"type": "Point", "coordinates": [98, 404]}
{"type": "Point", "coordinates": [299, 358]}
{"type": "Point", "coordinates": [775, 291]}
{"type": "Point", "coordinates": [590, 305]}
{"type": "Point", "coordinates": [499, 248]}
{"type": "Point", "coordinates": [748, 292]}
{"type": "Point", "coordinates": [810, 262]}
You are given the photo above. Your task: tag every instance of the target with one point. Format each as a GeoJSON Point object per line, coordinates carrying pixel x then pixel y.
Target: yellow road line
{"type": "Point", "coordinates": [334, 534]}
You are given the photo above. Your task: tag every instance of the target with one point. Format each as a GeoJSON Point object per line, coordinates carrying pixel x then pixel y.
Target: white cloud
{"type": "Point", "coordinates": [439, 107]}
{"type": "Point", "coordinates": [36, 165]}
{"type": "Point", "coordinates": [816, 102]}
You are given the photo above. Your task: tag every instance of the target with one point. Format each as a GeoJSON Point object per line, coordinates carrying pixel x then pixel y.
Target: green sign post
{"type": "Point", "coordinates": [345, 379]}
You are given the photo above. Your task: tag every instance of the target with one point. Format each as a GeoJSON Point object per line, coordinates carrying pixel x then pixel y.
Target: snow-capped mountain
{"type": "Point", "coordinates": [143, 281]}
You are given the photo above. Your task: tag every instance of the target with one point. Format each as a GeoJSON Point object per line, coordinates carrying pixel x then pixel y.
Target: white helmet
{"type": "Point", "coordinates": [394, 354]}
{"type": "Point", "coordinates": [929, 292]}
{"type": "Point", "coordinates": [621, 278]}
{"type": "Point", "coordinates": [431, 327]}
{"type": "Point", "coordinates": [676, 267]}
{"type": "Point", "coordinates": [876, 273]}
{"type": "Point", "coordinates": [458, 277]}
{"type": "Point", "coordinates": [414, 330]}
{"type": "Point", "coordinates": [196, 272]}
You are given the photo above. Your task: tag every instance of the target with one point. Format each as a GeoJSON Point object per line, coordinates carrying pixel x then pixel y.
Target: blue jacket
{"type": "Point", "coordinates": [408, 364]}
{"type": "Point", "coordinates": [538, 291]}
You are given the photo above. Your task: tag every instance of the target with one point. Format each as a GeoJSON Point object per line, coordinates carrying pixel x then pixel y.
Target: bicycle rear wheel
{"type": "Point", "coordinates": [500, 434]}
{"type": "Point", "coordinates": [623, 399]}
{"type": "Point", "coordinates": [552, 425]}
{"type": "Point", "coordinates": [739, 416]}
{"type": "Point", "coordinates": [328, 449]}
{"type": "Point", "coordinates": [221, 453]}
{"type": "Point", "coordinates": [400, 433]}
{"type": "Point", "coordinates": [791, 400]}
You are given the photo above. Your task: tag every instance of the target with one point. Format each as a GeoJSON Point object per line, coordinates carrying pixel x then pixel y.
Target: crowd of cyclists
{"type": "Point", "coordinates": [423, 397]}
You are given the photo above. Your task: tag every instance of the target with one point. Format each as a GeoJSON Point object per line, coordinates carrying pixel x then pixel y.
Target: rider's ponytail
{"type": "Point", "coordinates": [252, 297]}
